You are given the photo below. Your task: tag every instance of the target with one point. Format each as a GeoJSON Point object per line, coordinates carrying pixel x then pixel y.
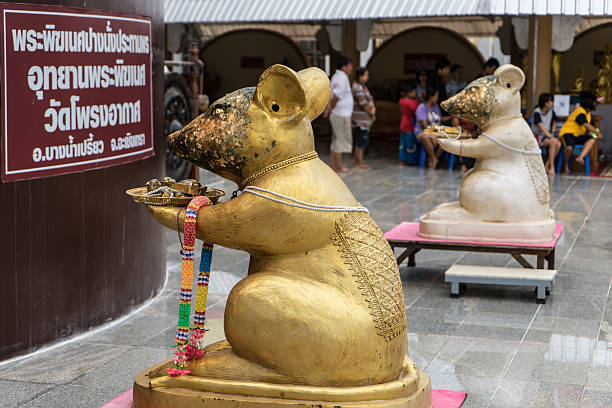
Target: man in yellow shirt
{"type": "Point", "coordinates": [579, 130]}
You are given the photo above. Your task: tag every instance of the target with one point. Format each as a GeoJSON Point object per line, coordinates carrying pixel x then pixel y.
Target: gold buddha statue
{"type": "Point", "coordinates": [556, 72]}
{"type": "Point", "coordinates": [604, 76]}
{"type": "Point", "coordinates": [579, 81]}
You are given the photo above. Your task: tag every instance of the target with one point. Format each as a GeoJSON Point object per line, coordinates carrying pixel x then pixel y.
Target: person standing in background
{"type": "Point", "coordinates": [340, 109]}
{"type": "Point", "coordinates": [438, 77]}
{"type": "Point", "coordinates": [409, 103]}
{"type": "Point", "coordinates": [489, 67]}
{"type": "Point", "coordinates": [456, 83]}
{"type": "Point", "coordinates": [364, 114]}
{"type": "Point", "coordinates": [421, 86]}
{"type": "Point", "coordinates": [453, 87]}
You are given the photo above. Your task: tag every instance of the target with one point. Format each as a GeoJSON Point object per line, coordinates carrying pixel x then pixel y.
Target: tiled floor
{"type": "Point", "coordinates": [495, 343]}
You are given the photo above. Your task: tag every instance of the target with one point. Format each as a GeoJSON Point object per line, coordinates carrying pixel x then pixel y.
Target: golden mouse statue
{"type": "Point", "coordinates": [320, 319]}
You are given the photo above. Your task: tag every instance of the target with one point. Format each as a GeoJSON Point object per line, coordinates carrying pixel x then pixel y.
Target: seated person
{"type": "Point", "coordinates": [427, 114]}
{"type": "Point", "coordinates": [579, 130]}
{"type": "Point", "coordinates": [469, 127]}
{"type": "Point", "coordinates": [543, 128]}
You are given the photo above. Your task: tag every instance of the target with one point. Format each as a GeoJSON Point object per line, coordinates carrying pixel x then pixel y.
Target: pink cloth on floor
{"type": "Point", "coordinates": [439, 399]}
{"type": "Point", "coordinates": [409, 231]}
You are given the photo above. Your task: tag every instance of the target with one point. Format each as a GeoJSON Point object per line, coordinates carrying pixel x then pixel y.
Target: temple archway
{"type": "Point", "coordinates": [398, 59]}
{"type": "Point", "coordinates": [236, 59]}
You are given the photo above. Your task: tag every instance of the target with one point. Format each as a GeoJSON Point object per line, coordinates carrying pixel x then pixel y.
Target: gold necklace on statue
{"type": "Point", "coordinates": [280, 165]}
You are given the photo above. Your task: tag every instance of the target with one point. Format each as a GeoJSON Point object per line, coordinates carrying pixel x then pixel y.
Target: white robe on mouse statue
{"type": "Point", "coordinates": [505, 197]}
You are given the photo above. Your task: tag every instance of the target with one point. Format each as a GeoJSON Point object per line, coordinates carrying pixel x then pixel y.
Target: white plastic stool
{"type": "Point", "coordinates": [542, 279]}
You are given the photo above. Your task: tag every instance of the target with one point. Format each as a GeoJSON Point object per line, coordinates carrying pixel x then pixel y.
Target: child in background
{"type": "Point", "coordinates": [543, 128]}
{"type": "Point", "coordinates": [408, 104]}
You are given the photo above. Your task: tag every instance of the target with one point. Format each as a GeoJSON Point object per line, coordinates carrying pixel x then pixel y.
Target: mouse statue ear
{"type": "Point", "coordinates": [317, 83]}
{"type": "Point", "coordinates": [510, 77]}
{"type": "Point", "coordinates": [281, 93]}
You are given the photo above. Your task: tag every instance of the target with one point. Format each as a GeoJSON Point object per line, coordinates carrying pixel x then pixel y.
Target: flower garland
{"type": "Point", "coordinates": [190, 345]}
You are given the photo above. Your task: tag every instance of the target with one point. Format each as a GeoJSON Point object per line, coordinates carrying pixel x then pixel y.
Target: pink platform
{"type": "Point", "coordinates": [439, 399]}
{"type": "Point", "coordinates": [409, 232]}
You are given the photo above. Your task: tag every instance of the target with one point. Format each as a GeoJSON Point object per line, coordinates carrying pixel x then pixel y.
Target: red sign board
{"type": "Point", "coordinates": [76, 90]}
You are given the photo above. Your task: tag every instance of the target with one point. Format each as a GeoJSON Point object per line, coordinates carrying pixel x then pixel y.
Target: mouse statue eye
{"type": "Point", "coordinates": [217, 111]}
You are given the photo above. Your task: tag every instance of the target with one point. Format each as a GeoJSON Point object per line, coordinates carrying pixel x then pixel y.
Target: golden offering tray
{"type": "Point", "coordinates": [449, 132]}
{"type": "Point", "coordinates": [172, 193]}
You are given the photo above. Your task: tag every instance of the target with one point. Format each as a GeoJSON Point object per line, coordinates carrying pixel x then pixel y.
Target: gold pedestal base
{"type": "Point", "coordinates": [146, 396]}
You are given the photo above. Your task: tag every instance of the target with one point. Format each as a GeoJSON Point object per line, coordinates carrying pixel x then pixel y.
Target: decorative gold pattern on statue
{"type": "Point", "coordinates": [538, 177]}
{"type": "Point", "coordinates": [225, 120]}
{"type": "Point", "coordinates": [371, 259]}
{"type": "Point", "coordinates": [477, 101]}
{"type": "Point", "coordinates": [279, 165]}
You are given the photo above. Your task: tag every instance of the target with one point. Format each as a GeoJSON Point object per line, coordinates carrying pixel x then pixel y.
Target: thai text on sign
{"type": "Point", "coordinates": [76, 90]}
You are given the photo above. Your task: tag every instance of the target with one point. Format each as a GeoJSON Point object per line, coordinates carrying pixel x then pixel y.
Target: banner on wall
{"type": "Point", "coordinates": [76, 90]}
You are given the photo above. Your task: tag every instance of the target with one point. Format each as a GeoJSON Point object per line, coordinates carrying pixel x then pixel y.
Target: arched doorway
{"type": "Point", "coordinates": [398, 59]}
{"type": "Point", "coordinates": [236, 59]}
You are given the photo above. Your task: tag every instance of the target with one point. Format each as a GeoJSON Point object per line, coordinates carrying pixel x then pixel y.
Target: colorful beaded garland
{"type": "Point", "coordinates": [188, 345]}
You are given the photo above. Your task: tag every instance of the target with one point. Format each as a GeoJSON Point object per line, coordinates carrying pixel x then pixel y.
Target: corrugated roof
{"type": "Point", "coordinates": [258, 11]}
{"type": "Point", "coordinates": [468, 26]}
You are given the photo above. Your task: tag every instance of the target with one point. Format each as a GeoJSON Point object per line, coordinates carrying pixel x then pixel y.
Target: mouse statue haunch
{"type": "Point", "coordinates": [505, 197]}
{"type": "Point", "coordinates": [320, 319]}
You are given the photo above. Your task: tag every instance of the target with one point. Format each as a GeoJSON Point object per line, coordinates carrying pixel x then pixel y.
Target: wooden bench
{"type": "Point", "coordinates": [405, 235]}
{"type": "Point", "coordinates": [542, 279]}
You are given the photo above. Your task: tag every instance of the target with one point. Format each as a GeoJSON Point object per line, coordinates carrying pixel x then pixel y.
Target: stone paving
{"type": "Point", "coordinates": [494, 342]}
